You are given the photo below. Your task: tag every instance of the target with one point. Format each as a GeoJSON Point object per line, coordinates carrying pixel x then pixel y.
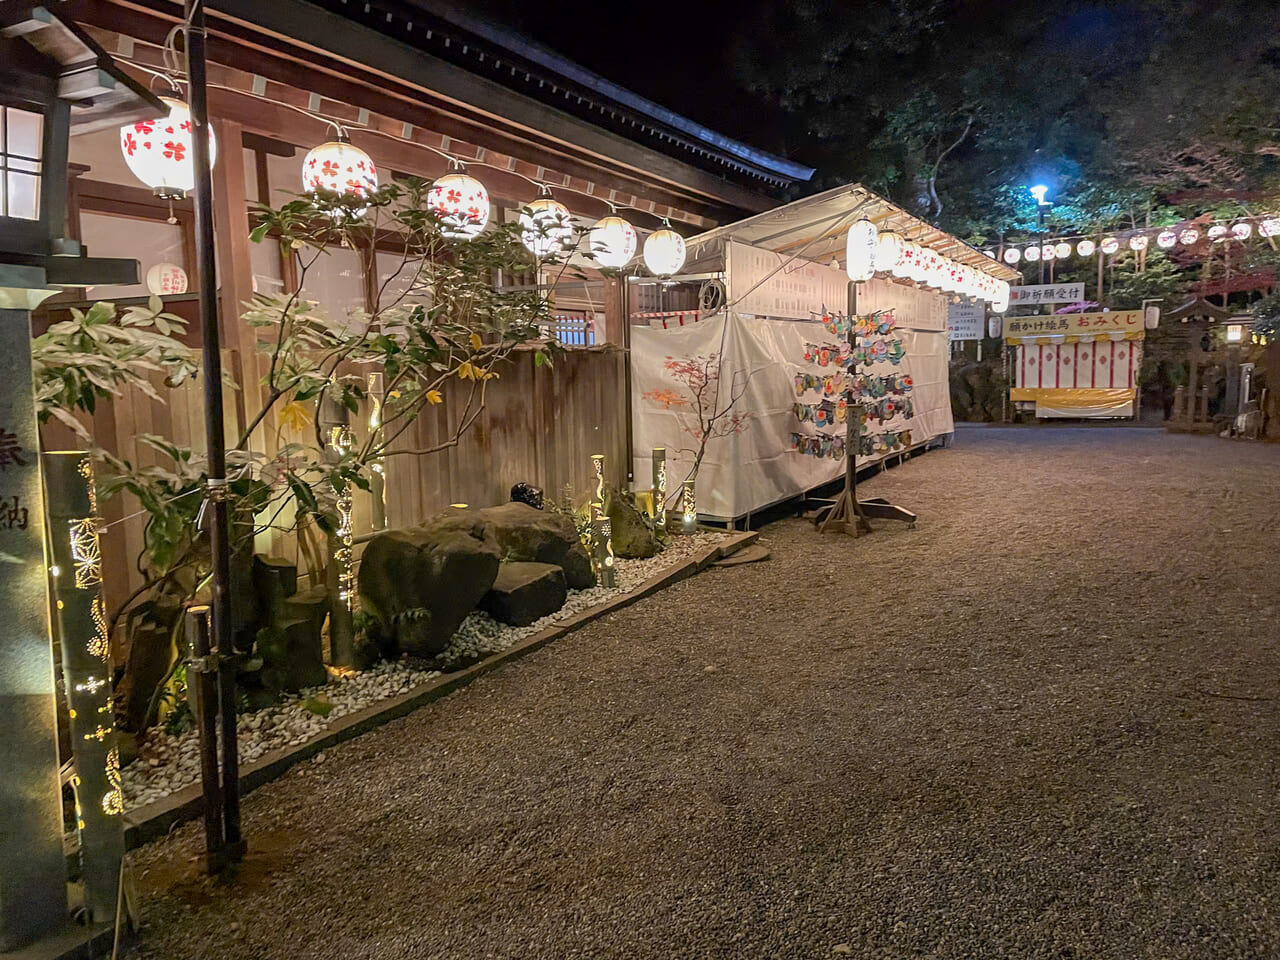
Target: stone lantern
{"type": "Point", "coordinates": [53, 78]}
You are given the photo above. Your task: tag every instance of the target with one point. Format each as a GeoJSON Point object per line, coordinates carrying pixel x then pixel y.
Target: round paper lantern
{"type": "Point", "coordinates": [1062, 250]}
{"type": "Point", "coordinates": [989, 253]}
{"type": "Point", "coordinates": [613, 242]}
{"type": "Point", "coordinates": [1032, 254]}
{"type": "Point", "coordinates": [995, 325]}
{"type": "Point", "coordinates": [1242, 230]}
{"type": "Point", "coordinates": [339, 167]}
{"type": "Point", "coordinates": [1110, 245]}
{"type": "Point", "coordinates": [860, 250]}
{"type": "Point", "coordinates": [888, 252]}
{"type": "Point", "coordinates": [158, 152]}
{"type": "Point", "coordinates": [1048, 252]}
{"type": "Point", "coordinates": [1189, 236]}
{"type": "Point", "coordinates": [1269, 227]}
{"type": "Point", "coordinates": [1012, 255]}
{"type": "Point", "coordinates": [1085, 248]}
{"type": "Point", "coordinates": [547, 229]}
{"type": "Point", "coordinates": [462, 205]}
{"type": "Point", "coordinates": [1166, 239]}
{"type": "Point", "coordinates": [1000, 301]}
{"type": "Point", "coordinates": [166, 278]}
{"type": "Point", "coordinates": [1138, 241]}
{"type": "Point", "coordinates": [1217, 233]}
{"type": "Point", "coordinates": [664, 252]}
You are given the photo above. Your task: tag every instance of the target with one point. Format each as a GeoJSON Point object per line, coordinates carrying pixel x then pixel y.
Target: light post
{"type": "Point", "coordinates": [1040, 191]}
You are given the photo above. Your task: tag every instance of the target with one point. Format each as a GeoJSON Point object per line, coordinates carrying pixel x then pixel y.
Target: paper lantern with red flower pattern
{"type": "Point", "coordinates": [462, 204]}
{"type": "Point", "coordinates": [339, 167]}
{"type": "Point", "coordinates": [158, 152]}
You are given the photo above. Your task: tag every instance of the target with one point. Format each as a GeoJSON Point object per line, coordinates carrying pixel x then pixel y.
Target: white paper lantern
{"type": "Point", "coordinates": [995, 325]}
{"type": "Point", "coordinates": [1242, 230]}
{"type": "Point", "coordinates": [1062, 250]}
{"type": "Point", "coordinates": [989, 253]}
{"type": "Point", "coordinates": [1151, 317]}
{"type": "Point", "coordinates": [613, 242]}
{"type": "Point", "coordinates": [339, 167]}
{"type": "Point", "coordinates": [166, 279]}
{"type": "Point", "coordinates": [1269, 227]}
{"type": "Point", "coordinates": [932, 262]}
{"type": "Point", "coordinates": [158, 152]}
{"type": "Point", "coordinates": [1138, 241]}
{"type": "Point", "coordinates": [1166, 239]}
{"type": "Point", "coordinates": [547, 228]}
{"type": "Point", "coordinates": [1217, 233]}
{"type": "Point", "coordinates": [1000, 303]}
{"type": "Point", "coordinates": [889, 247]}
{"type": "Point", "coordinates": [1085, 248]}
{"type": "Point", "coordinates": [1032, 254]}
{"type": "Point", "coordinates": [860, 251]}
{"type": "Point", "coordinates": [1012, 255]}
{"type": "Point", "coordinates": [1048, 252]}
{"type": "Point", "coordinates": [915, 257]}
{"type": "Point", "coordinates": [462, 205]}
{"type": "Point", "coordinates": [1189, 236]}
{"type": "Point", "coordinates": [1110, 245]}
{"type": "Point", "coordinates": [664, 252]}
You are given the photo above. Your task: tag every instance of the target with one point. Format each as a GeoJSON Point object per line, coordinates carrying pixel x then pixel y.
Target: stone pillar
{"type": "Point", "coordinates": [1202, 411]}
{"type": "Point", "coordinates": [1179, 402]}
{"type": "Point", "coordinates": [33, 892]}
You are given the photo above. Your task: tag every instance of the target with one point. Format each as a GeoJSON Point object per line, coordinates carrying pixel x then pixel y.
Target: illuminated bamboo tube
{"type": "Point", "coordinates": [602, 550]}
{"type": "Point", "coordinates": [689, 511]}
{"type": "Point", "coordinates": [378, 475]}
{"type": "Point", "coordinates": [340, 576]}
{"type": "Point", "coordinates": [80, 623]}
{"type": "Point", "coordinates": [660, 489]}
{"type": "Point", "coordinates": [597, 465]}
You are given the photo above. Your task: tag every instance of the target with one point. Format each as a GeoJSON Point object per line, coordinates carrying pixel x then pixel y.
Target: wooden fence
{"type": "Point", "coordinates": [539, 424]}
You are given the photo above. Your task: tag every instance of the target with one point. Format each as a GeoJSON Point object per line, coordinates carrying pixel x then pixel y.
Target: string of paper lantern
{"type": "Point", "coordinates": [869, 252]}
{"type": "Point", "coordinates": [1237, 229]}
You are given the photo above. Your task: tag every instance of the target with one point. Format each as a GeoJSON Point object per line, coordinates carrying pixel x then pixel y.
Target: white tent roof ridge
{"type": "Point", "coordinates": [816, 227]}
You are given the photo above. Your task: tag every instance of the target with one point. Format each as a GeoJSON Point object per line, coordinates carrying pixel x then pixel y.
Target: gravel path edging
{"type": "Point", "coordinates": [153, 821]}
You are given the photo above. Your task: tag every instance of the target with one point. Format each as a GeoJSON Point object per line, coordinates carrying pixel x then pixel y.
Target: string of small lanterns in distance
{"type": "Point", "coordinates": [1239, 229]}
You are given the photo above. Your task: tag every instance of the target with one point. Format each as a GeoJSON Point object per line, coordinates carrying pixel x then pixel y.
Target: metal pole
{"type": "Point", "coordinates": [219, 526]}
{"type": "Point", "coordinates": [202, 692]}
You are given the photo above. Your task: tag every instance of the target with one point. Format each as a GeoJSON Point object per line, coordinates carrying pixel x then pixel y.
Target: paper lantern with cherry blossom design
{"type": "Point", "coordinates": [1062, 250]}
{"type": "Point", "coordinates": [1012, 255]}
{"type": "Point", "coordinates": [339, 167]}
{"type": "Point", "coordinates": [1166, 239]}
{"type": "Point", "coordinates": [1138, 241]}
{"type": "Point", "coordinates": [158, 152]}
{"type": "Point", "coordinates": [1110, 245]}
{"type": "Point", "coordinates": [1086, 248]}
{"type": "Point", "coordinates": [1269, 227]}
{"type": "Point", "coordinates": [461, 203]}
{"type": "Point", "coordinates": [546, 228]}
{"type": "Point", "coordinates": [1242, 231]}
{"type": "Point", "coordinates": [1032, 254]}
{"type": "Point", "coordinates": [1189, 236]}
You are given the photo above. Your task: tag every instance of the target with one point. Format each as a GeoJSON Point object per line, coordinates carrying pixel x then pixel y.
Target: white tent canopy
{"type": "Point", "coordinates": [815, 229]}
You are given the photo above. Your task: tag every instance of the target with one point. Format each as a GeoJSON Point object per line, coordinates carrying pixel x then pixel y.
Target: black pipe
{"type": "Point", "coordinates": [219, 527]}
{"type": "Point", "coordinates": [202, 693]}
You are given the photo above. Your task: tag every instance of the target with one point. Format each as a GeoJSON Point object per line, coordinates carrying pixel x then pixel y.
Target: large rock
{"type": "Point", "coordinates": [525, 592]}
{"type": "Point", "coordinates": [633, 536]}
{"type": "Point", "coordinates": [537, 536]}
{"type": "Point", "coordinates": [421, 583]}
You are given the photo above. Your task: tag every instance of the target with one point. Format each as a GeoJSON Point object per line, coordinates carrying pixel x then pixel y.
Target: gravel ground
{"type": "Point", "coordinates": [1042, 724]}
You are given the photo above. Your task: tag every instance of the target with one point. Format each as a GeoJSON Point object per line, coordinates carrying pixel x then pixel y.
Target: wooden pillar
{"type": "Point", "coordinates": [1193, 375]}
{"type": "Point", "coordinates": [33, 894]}
{"type": "Point", "coordinates": [235, 270]}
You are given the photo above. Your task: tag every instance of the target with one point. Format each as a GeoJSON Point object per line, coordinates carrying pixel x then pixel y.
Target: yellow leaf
{"type": "Point", "coordinates": [491, 375]}
{"type": "Point", "coordinates": [434, 396]}
{"type": "Point", "coordinates": [476, 342]}
{"type": "Point", "coordinates": [466, 371]}
{"type": "Point", "coordinates": [295, 416]}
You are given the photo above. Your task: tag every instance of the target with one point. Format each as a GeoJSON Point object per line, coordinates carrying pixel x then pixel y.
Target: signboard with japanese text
{"type": "Point", "coordinates": [966, 321]}
{"type": "Point", "coordinates": [1075, 325]}
{"type": "Point", "coordinates": [1038, 293]}
{"type": "Point", "coordinates": [783, 287]}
